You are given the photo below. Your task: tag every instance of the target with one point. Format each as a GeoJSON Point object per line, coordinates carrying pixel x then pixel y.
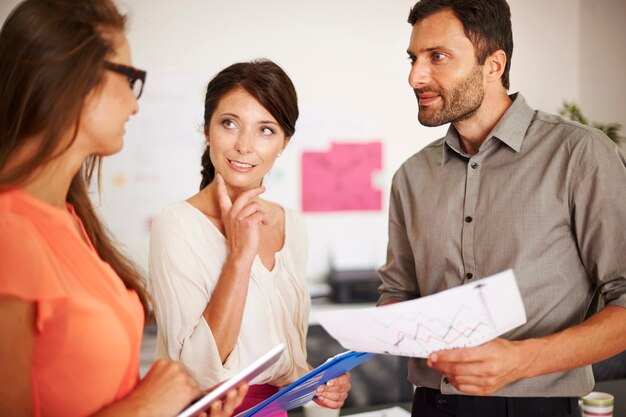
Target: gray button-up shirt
{"type": "Point", "coordinates": [543, 196]}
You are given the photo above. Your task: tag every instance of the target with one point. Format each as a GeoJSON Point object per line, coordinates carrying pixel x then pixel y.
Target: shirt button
{"type": "Point", "coordinates": [474, 165]}
{"type": "Point", "coordinates": [468, 219]}
{"type": "Point", "coordinates": [445, 381]}
{"type": "Point", "coordinates": [469, 275]}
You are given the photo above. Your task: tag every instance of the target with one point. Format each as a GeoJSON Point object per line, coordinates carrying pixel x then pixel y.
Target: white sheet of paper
{"type": "Point", "coordinates": [468, 315]}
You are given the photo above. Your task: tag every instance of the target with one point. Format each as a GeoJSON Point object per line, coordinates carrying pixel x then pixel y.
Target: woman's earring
{"type": "Point", "coordinates": [279, 154]}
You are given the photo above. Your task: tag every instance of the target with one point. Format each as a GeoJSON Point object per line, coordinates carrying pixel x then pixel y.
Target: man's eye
{"type": "Point", "coordinates": [228, 124]}
{"type": "Point", "coordinates": [411, 59]}
{"type": "Point", "coordinates": [438, 57]}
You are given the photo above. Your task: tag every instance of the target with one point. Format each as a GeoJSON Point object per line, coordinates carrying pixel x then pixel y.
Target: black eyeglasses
{"type": "Point", "coordinates": [136, 77]}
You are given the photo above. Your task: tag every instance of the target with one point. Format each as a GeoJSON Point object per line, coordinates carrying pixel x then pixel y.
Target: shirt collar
{"type": "Point", "coordinates": [510, 130]}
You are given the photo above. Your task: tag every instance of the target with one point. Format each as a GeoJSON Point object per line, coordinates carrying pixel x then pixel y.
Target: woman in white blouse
{"type": "Point", "coordinates": [227, 267]}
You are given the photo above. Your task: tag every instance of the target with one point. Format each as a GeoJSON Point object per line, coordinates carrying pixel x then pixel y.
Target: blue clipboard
{"type": "Point", "coordinates": [303, 390]}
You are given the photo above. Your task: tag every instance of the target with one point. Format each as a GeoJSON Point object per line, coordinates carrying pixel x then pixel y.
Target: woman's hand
{"type": "Point", "coordinates": [166, 389]}
{"type": "Point", "coordinates": [242, 219]}
{"type": "Point", "coordinates": [225, 408]}
{"type": "Point", "coordinates": [334, 393]}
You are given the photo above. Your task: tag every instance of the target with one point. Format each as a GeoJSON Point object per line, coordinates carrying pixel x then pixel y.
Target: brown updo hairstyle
{"type": "Point", "coordinates": [52, 55]}
{"type": "Point", "coordinates": [263, 80]}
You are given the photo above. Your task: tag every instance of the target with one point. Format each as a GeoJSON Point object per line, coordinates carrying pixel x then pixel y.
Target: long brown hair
{"type": "Point", "coordinates": [52, 54]}
{"type": "Point", "coordinates": [263, 80]}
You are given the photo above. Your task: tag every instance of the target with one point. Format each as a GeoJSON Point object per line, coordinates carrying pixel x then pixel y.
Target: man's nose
{"type": "Point", "coordinates": [419, 75]}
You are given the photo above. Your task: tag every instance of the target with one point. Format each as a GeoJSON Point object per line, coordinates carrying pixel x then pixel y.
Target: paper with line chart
{"type": "Point", "coordinates": [464, 316]}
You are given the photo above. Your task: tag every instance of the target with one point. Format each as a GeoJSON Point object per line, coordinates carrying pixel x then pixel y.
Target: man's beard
{"type": "Point", "coordinates": [459, 103]}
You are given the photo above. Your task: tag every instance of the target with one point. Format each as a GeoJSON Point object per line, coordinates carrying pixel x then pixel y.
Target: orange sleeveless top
{"type": "Point", "coordinates": [88, 325]}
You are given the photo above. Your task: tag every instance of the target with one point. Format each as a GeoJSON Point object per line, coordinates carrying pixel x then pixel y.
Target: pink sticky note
{"type": "Point", "coordinates": [341, 179]}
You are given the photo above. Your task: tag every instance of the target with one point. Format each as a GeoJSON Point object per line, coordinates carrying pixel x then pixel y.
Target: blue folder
{"type": "Point", "coordinates": [303, 390]}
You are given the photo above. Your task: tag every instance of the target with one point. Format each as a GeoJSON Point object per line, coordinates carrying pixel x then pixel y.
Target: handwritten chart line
{"type": "Point", "coordinates": [450, 336]}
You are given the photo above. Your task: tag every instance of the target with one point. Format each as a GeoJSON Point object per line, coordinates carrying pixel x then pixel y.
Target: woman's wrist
{"type": "Point", "coordinates": [129, 406]}
{"type": "Point", "coordinates": [239, 263]}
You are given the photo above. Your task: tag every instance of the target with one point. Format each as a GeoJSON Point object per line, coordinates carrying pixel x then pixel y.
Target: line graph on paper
{"type": "Point", "coordinates": [464, 316]}
{"type": "Point", "coordinates": [469, 324]}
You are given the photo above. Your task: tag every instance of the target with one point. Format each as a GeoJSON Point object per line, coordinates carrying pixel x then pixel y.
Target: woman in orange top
{"type": "Point", "coordinates": [72, 307]}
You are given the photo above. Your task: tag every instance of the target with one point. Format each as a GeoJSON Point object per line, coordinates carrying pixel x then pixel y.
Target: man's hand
{"type": "Point", "coordinates": [481, 370]}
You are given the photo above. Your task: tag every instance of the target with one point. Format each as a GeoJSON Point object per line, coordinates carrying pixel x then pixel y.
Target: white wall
{"type": "Point", "coordinates": [348, 62]}
{"type": "Point", "coordinates": [603, 60]}
{"type": "Point", "coordinates": [546, 53]}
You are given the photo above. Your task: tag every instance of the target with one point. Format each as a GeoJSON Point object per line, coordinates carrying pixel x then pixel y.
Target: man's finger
{"type": "Point", "coordinates": [474, 354]}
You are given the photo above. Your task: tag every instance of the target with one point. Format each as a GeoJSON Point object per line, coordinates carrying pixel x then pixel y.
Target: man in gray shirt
{"type": "Point", "coordinates": [507, 187]}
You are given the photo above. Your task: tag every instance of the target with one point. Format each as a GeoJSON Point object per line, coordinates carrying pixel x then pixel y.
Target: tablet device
{"type": "Point", "coordinates": [247, 374]}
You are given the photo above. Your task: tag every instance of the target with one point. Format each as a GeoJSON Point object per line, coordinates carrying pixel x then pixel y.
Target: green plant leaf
{"type": "Point", "coordinates": [573, 112]}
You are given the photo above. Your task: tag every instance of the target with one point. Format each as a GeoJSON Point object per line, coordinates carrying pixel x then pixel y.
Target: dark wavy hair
{"type": "Point", "coordinates": [487, 24]}
{"type": "Point", "coordinates": [267, 83]}
{"type": "Point", "coordinates": [52, 55]}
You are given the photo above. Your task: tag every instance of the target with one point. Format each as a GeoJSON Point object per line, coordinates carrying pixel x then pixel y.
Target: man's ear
{"type": "Point", "coordinates": [494, 65]}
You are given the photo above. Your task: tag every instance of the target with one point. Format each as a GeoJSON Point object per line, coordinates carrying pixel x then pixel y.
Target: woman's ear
{"type": "Point", "coordinates": [285, 143]}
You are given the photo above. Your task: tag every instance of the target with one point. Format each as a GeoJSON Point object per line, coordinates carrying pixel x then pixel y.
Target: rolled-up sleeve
{"type": "Point", "coordinates": [598, 199]}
